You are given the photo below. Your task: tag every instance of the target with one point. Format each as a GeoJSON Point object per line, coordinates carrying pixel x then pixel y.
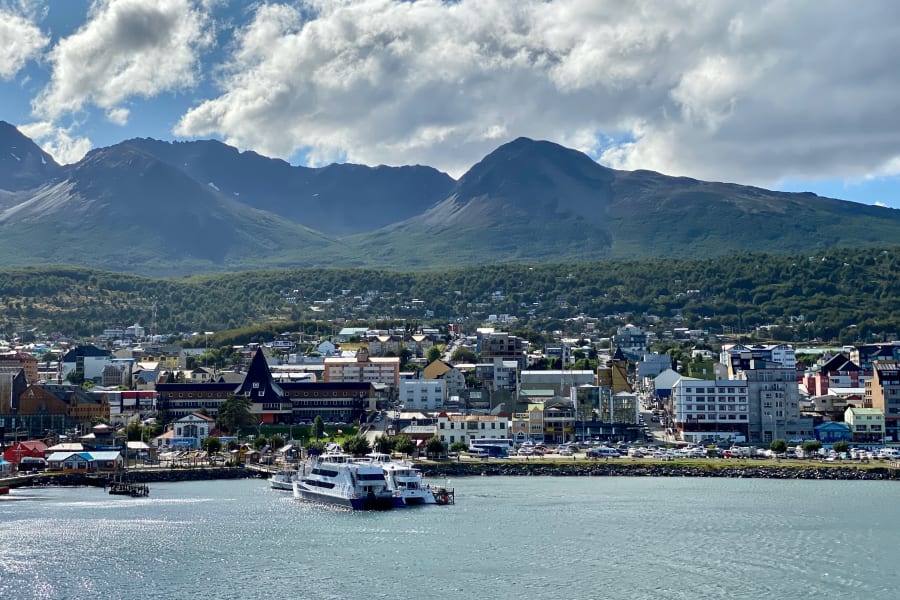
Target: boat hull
{"type": "Point", "coordinates": [369, 502]}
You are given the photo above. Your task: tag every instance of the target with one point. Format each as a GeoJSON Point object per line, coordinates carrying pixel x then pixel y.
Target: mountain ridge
{"type": "Point", "coordinates": [152, 207]}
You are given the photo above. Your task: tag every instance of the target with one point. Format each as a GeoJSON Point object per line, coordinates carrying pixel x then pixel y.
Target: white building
{"type": "Point", "coordinates": [631, 339]}
{"type": "Point", "coordinates": [705, 409]}
{"type": "Point", "coordinates": [463, 428]}
{"type": "Point", "coordinates": [736, 356]}
{"type": "Point", "coordinates": [423, 394]}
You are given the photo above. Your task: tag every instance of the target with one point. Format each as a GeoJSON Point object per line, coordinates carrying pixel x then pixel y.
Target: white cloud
{"type": "Point", "coordinates": [750, 92]}
{"type": "Point", "coordinates": [56, 141]}
{"type": "Point", "coordinates": [20, 39]}
{"type": "Point", "coordinates": [126, 48]}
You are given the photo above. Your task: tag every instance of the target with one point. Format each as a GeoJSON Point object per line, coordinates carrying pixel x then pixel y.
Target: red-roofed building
{"type": "Point", "coordinates": [30, 448]}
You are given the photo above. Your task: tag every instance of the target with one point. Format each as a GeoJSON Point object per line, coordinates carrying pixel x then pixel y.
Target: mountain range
{"type": "Point", "coordinates": [175, 208]}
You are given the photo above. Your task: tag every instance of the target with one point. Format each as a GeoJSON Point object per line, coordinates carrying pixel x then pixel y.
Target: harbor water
{"type": "Point", "coordinates": [506, 537]}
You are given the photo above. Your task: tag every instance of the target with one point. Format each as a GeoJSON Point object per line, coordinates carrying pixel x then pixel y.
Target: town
{"type": "Point", "coordinates": [485, 391]}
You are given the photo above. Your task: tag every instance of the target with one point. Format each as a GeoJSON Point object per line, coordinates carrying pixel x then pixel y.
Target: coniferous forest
{"type": "Point", "coordinates": [840, 295]}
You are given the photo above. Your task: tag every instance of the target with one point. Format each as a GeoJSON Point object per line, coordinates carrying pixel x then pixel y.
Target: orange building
{"type": "Point", "coordinates": [21, 360]}
{"type": "Point", "coordinates": [68, 400]}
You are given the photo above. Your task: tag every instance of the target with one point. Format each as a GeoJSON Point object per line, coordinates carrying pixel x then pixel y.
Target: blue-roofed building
{"type": "Point", "coordinates": [833, 431]}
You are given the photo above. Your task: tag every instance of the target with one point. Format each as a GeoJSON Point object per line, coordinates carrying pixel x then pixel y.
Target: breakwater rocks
{"type": "Point", "coordinates": [612, 469]}
{"type": "Point", "coordinates": [147, 476]}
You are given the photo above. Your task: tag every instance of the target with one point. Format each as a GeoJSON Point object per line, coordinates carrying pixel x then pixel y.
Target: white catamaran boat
{"type": "Point", "coordinates": [339, 480]}
{"type": "Point", "coordinates": [403, 480]}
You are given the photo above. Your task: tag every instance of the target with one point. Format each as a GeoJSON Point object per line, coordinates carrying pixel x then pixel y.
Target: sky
{"type": "Point", "coordinates": [789, 95]}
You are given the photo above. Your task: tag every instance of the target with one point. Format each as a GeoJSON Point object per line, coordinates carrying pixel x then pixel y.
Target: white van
{"type": "Point", "coordinates": [603, 452]}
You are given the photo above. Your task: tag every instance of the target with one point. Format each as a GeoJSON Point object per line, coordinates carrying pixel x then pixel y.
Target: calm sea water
{"type": "Point", "coordinates": [523, 537]}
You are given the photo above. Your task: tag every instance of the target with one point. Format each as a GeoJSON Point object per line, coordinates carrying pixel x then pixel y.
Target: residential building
{"type": "Point", "coordinates": [529, 425]}
{"type": "Point", "coordinates": [866, 354]}
{"type": "Point", "coordinates": [453, 428]}
{"type": "Point", "coordinates": [710, 409]}
{"type": "Point", "coordinates": [498, 375]}
{"type": "Point", "coordinates": [88, 360]}
{"type": "Point", "coordinates": [363, 368]}
{"type": "Point", "coordinates": [738, 356]}
{"type": "Point", "coordinates": [423, 394]}
{"type": "Point", "coordinates": [454, 379]}
{"type": "Point", "coordinates": [774, 401]}
{"type": "Point", "coordinates": [651, 365]}
{"type": "Point", "coordinates": [837, 372]}
{"type": "Point", "coordinates": [559, 421]}
{"type": "Point", "coordinates": [561, 382]}
{"type": "Point", "coordinates": [866, 424]}
{"type": "Point", "coordinates": [631, 339]}
{"type": "Point", "coordinates": [17, 359]}
{"type": "Point", "coordinates": [494, 345]}
{"type": "Point", "coordinates": [883, 393]}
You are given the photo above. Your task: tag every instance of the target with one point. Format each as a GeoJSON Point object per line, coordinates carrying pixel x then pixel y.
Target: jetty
{"type": "Point", "coordinates": [123, 488]}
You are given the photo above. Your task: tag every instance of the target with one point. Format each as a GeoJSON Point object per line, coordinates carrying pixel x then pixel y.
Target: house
{"type": "Point", "coordinates": [837, 372]}
{"type": "Point", "coordinates": [454, 379]}
{"type": "Point", "coordinates": [833, 431]}
{"type": "Point", "coordinates": [29, 449]}
{"type": "Point", "coordinates": [191, 430]}
{"type": "Point", "coordinates": [866, 424]}
{"type": "Point", "coordinates": [80, 462]}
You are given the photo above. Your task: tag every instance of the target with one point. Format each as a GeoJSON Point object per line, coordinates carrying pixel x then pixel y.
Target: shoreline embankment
{"type": "Point", "coordinates": [435, 469]}
{"type": "Point", "coordinates": [613, 469]}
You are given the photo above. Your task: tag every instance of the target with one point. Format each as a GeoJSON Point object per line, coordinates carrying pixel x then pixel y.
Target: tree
{"type": "Point", "coordinates": [434, 447]}
{"type": "Point", "coordinates": [315, 447]}
{"type": "Point", "coordinates": [318, 428]}
{"type": "Point", "coordinates": [433, 354]}
{"type": "Point", "coordinates": [778, 446]}
{"type": "Point", "coordinates": [458, 447]}
{"type": "Point", "coordinates": [463, 354]}
{"type": "Point", "coordinates": [133, 432]}
{"type": "Point", "coordinates": [260, 442]}
{"type": "Point", "coordinates": [234, 414]}
{"type": "Point", "coordinates": [384, 444]}
{"type": "Point", "coordinates": [404, 444]}
{"type": "Point", "coordinates": [276, 441]}
{"type": "Point", "coordinates": [811, 447]}
{"type": "Point", "coordinates": [357, 445]}
{"type": "Point", "coordinates": [212, 445]}
{"type": "Point", "coordinates": [841, 446]}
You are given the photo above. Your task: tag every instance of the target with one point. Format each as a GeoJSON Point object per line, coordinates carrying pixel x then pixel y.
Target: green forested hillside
{"type": "Point", "coordinates": [839, 294]}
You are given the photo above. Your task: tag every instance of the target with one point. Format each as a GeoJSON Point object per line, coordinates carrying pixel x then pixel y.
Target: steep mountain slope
{"type": "Point", "coordinates": [338, 199]}
{"type": "Point", "coordinates": [526, 201]}
{"type": "Point", "coordinates": [23, 165]}
{"type": "Point", "coordinates": [123, 209]}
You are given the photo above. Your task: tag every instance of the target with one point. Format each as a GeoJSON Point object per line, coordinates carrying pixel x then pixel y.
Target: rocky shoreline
{"type": "Point", "coordinates": [517, 469]}
{"type": "Point", "coordinates": [611, 469]}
